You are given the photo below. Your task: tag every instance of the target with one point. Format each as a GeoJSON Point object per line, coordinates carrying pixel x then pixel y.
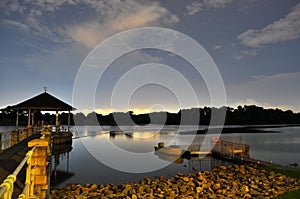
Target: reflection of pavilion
{"type": "Point", "coordinates": [59, 152]}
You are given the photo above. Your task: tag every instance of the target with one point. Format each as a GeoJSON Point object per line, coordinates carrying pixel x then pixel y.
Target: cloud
{"type": "Point", "coordinates": [285, 29]}
{"type": "Point", "coordinates": [244, 53]}
{"type": "Point", "coordinates": [87, 33]}
{"type": "Point", "coordinates": [217, 3]}
{"type": "Point", "coordinates": [13, 6]}
{"type": "Point", "coordinates": [15, 23]}
{"type": "Point", "coordinates": [138, 15]}
{"type": "Point", "coordinates": [238, 57]}
{"type": "Point", "coordinates": [216, 47]}
{"type": "Point", "coordinates": [32, 16]}
{"type": "Point", "coordinates": [194, 7]}
{"type": "Point", "coordinates": [105, 19]}
{"type": "Point", "coordinates": [278, 90]}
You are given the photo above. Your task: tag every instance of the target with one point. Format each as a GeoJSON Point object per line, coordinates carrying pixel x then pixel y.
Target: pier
{"type": "Point", "coordinates": [233, 150]}
{"type": "Point", "coordinates": [25, 158]}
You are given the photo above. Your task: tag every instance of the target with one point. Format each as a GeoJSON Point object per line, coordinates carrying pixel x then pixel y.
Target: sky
{"type": "Point", "coordinates": [254, 44]}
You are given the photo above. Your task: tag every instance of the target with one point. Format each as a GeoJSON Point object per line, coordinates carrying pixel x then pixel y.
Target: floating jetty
{"type": "Point", "coordinates": [234, 150]}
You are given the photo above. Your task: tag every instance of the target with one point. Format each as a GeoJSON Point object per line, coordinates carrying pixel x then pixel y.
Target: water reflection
{"type": "Point", "coordinates": [60, 152]}
{"type": "Point", "coordinates": [170, 158]}
{"type": "Point", "coordinates": [282, 148]}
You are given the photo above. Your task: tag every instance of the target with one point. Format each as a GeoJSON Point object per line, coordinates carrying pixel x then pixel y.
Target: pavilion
{"type": "Point", "coordinates": [41, 102]}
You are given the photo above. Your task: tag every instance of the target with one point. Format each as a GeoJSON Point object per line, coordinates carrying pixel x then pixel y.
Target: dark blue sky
{"type": "Point", "coordinates": [255, 45]}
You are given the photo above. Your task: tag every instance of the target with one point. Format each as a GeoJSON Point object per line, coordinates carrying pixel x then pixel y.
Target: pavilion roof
{"type": "Point", "coordinates": [43, 102]}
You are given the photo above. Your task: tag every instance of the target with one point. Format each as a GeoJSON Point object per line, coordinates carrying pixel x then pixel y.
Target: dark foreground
{"type": "Point", "coordinates": [223, 182]}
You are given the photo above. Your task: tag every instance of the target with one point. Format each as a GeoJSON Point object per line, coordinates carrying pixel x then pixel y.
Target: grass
{"type": "Point", "coordinates": [290, 172]}
{"type": "Point", "coordinates": [291, 195]}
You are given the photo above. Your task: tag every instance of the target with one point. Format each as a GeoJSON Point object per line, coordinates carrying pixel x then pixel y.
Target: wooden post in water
{"type": "Point", "coordinates": [221, 150]}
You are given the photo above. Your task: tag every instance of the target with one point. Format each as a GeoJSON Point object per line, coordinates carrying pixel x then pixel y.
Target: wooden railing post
{"type": "Point", "coordinates": [30, 131]}
{"type": "Point", "coordinates": [14, 137]}
{"type": "Point", "coordinates": [5, 141]}
{"type": "Point", "coordinates": [40, 158]}
{"type": "Point", "coordinates": [24, 133]}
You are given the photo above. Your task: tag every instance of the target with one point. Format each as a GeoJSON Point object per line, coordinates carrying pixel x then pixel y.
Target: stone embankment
{"type": "Point", "coordinates": [223, 182]}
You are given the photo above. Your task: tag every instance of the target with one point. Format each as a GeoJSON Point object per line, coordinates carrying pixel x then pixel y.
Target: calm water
{"type": "Point", "coordinates": [98, 156]}
{"type": "Point", "coordinates": [94, 152]}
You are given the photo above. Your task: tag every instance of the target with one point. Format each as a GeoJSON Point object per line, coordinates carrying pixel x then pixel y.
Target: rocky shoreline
{"type": "Point", "coordinates": [242, 181]}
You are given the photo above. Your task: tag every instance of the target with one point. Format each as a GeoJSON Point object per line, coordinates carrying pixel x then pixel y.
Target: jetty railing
{"type": "Point", "coordinates": [7, 187]}
{"type": "Point", "coordinates": [231, 149]}
{"type": "Point", "coordinates": [36, 161]}
{"type": "Point", "coordinates": [4, 141]}
{"type": "Point", "coordinates": [9, 139]}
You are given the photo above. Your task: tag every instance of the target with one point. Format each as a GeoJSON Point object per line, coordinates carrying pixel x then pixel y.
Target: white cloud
{"type": "Point", "coordinates": [238, 57]}
{"type": "Point", "coordinates": [278, 90]}
{"type": "Point", "coordinates": [286, 28]}
{"type": "Point", "coordinates": [87, 33]}
{"type": "Point", "coordinates": [108, 18]}
{"type": "Point", "coordinates": [244, 53]}
{"type": "Point", "coordinates": [194, 7]}
{"type": "Point", "coordinates": [137, 15]}
{"type": "Point", "coordinates": [216, 47]}
{"type": "Point", "coordinates": [15, 23]}
{"type": "Point", "coordinates": [216, 3]}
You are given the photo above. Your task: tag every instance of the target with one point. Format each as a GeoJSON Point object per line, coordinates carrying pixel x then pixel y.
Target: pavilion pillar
{"type": "Point", "coordinates": [69, 121]}
{"type": "Point", "coordinates": [32, 119]}
{"type": "Point", "coordinates": [17, 120]}
{"type": "Point", "coordinates": [30, 130]}
{"type": "Point", "coordinates": [29, 120]}
{"type": "Point", "coordinates": [56, 121]}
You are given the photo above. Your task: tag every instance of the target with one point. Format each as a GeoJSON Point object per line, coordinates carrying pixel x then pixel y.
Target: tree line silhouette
{"type": "Point", "coordinates": [246, 115]}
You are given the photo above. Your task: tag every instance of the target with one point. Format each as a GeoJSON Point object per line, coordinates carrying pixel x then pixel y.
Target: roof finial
{"type": "Point", "coordinates": [45, 88]}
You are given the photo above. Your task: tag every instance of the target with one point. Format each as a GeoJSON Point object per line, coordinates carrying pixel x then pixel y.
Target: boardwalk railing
{"type": "Point", "coordinates": [8, 139]}
{"type": "Point", "coordinates": [7, 187]}
{"type": "Point", "coordinates": [4, 141]}
{"type": "Point", "coordinates": [200, 146]}
{"type": "Point", "coordinates": [36, 161]}
{"type": "Point", "coordinates": [218, 146]}
{"type": "Point", "coordinates": [231, 149]}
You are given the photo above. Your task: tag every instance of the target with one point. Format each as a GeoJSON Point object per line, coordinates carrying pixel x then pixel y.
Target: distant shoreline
{"type": "Point", "coordinates": [227, 129]}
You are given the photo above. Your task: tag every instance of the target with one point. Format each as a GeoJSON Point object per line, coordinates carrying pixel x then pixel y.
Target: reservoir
{"type": "Point", "coordinates": [108, 155]}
